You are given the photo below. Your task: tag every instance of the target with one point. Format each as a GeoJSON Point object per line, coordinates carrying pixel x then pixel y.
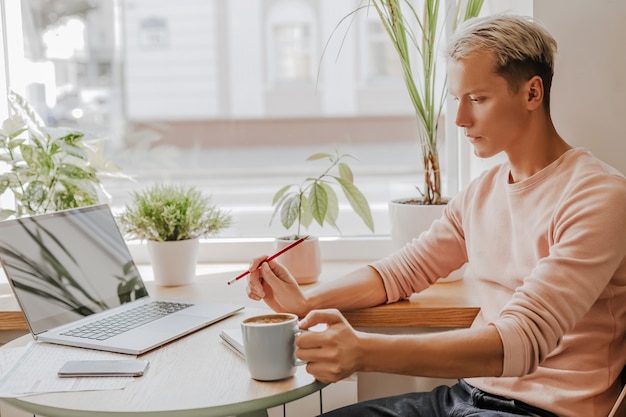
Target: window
{"type": "Point", "coordinates": [383, 61]}
{"type": "Point", "coordinates": [293, 53]}
{"type": "Point", "coordinates": [231, 95]}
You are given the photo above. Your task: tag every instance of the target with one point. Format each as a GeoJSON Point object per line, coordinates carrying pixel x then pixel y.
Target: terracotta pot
{"type": "Point", "coordinates": [303, 261]}
{"type": "Point", "coordinates": [410, 220]}
{"type": "Point", "coordinates": [174, 262]}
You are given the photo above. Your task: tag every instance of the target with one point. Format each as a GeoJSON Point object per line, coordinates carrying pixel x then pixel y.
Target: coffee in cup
{"type": "Point", "coordinates": [268, 319]}
{"type": "Point", "coordinates": [268, 342]}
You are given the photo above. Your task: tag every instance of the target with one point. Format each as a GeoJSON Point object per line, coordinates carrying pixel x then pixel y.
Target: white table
{"type": "Point", "coordinates": [197, 375]}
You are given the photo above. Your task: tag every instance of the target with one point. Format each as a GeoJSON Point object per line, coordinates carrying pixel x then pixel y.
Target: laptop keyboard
{"type": "Point", "coordinates": [126, 320]}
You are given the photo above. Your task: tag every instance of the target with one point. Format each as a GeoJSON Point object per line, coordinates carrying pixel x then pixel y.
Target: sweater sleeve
{"type": "Point", "coordinates": [434, 254]}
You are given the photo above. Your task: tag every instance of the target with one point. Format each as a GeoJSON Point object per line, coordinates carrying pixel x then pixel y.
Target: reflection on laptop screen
{"type": "Point", "coordinates": [48, 257]}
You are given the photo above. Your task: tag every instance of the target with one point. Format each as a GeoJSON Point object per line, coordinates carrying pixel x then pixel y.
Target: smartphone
{"type": "Point", "coordinates": [115, 367]}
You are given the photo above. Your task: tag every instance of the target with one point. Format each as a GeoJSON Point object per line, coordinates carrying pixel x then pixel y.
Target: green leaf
{"type": "Point", "coordinates": [289, 211]}
{"type": "Point", "coordinates": [21, 175]}
{"type": "Point", "coordinates": [358, 202]}
{"type": "Point", "coordinates": [12, 127]}
{"type": "Point", "coordinates": [5, 214]}
{"type": "Point", "coordinates": [306, 214]}
{"type": "Point", "coordinates": [72, 196]}
{"type": "Point", "coordinates": [345, 172]}
{"type": "Point", "coordinates": [319, 155]}
{"type": "Point", "coordinates": [80, 187]}
{"type": "Point", "coordinates": [71, 138]}
{"type": "Point", "coordinates": [76, 172]}
{"type": "Point", "coordinates": [318, 201]}
{"type": "Point", "coordinates": [36, 192]}
{"type": "Point", "coordinates": [37, 159]}
{"type": "Point", "coordinates": [42, 143]}
{"type": "Point", "coordinates": [14, 143]}
{"type": "Point", "coordinates": [29, 155]}
{"type": "Point", "coordinates": [5, 182]}
{"type": "Point", "coordinates": [279, 204]}
{"type": "Point", "coordinates": [333, 207]}
{"type": "Point", "coordinates": [71, 149]}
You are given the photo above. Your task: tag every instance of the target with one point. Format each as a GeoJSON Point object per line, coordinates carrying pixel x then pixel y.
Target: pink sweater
{"type": "Point", "coordinates": [548, 257]}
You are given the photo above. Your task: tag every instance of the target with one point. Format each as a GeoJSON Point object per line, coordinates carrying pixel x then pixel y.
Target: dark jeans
{"type": "Point", "coordinates": [460, 400]}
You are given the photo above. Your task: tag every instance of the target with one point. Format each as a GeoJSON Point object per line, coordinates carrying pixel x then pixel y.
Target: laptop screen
{"type": "Point", "coordinates": [68, 264]}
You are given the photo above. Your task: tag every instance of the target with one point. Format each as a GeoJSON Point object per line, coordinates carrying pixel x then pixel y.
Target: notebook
{"type": "Point", "coordinates": [234, 340]}
{"type": "Point", "coordinates": [74, 279]}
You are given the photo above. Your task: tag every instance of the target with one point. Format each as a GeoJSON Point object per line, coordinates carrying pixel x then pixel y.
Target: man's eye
{"type": "Point", "coordinates": [476, 99]}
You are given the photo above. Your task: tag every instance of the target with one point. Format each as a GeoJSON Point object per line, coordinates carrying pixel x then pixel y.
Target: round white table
{"type": "Point", "coordinates": [198, 375]}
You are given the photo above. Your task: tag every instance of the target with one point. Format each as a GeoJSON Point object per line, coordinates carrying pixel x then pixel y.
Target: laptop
{"type": "Point", "coordinates": [76, 282]}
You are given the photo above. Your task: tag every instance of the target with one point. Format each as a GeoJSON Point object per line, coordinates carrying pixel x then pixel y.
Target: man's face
{"type": "Point", "coordinates": [491, 115]}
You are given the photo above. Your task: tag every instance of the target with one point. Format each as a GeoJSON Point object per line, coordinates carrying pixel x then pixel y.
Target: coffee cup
{"type": "Point", "coordinates": [268, 342]}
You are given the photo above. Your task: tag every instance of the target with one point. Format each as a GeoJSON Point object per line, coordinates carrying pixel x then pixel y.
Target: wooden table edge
{"type": "Point", "coordinates": [412, 316]}
{"type": "Point", "coordinates": [12, 320]}
{"type": "Point", "coordinates": [390, 315]}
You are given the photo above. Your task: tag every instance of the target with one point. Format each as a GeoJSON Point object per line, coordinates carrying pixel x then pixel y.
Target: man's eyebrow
{"type": "Point", "coordinates": [481, 90]}
{"type": "Point", "coordinates": [465, 94]}
{"type": "Point", "coordinates": [475, 92]}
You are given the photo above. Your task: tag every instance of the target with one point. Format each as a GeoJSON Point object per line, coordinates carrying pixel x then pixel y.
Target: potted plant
{"type": "Point", "coordinates": [49, 169]}
{"type": "Point", "coordinates": [316, 199]}
{"type": "Point", "coordinates": [417, 36]}
{"type": "Point", "coordinates": [172, 219]}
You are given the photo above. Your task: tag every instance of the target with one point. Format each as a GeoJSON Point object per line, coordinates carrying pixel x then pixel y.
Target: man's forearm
{"type": "Point", "coordinates": [448, 354]}
{"type": "Point", "coordinates": [359, 289]}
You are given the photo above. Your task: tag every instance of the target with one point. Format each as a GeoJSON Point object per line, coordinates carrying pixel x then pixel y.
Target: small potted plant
{"type": "Point", "coordinates": [172, 219]}
{"type": "Point", "coordinates": [316, 199]}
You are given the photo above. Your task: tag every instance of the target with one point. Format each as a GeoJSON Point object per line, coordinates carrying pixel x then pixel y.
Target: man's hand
{"type": "Point", "coordinates": [274, 284]}
{"type": "Point", "coordinates": [332, 354]}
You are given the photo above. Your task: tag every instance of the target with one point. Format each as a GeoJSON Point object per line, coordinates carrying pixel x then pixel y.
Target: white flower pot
{"type": "Point", "coordinates": [410, 220]}
{"type": "Point", "coordinates": [174, 262]}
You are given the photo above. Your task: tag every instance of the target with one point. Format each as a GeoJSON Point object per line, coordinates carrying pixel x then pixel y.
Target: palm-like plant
{"type": "Point", "coordinates": [413, 31]}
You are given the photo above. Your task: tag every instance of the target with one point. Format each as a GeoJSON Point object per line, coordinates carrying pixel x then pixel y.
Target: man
{"type": "Point", "coordinates": [544, 235]}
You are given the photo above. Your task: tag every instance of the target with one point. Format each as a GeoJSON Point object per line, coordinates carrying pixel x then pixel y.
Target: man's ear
{"type": "Point", "coordinates": [534, 92]}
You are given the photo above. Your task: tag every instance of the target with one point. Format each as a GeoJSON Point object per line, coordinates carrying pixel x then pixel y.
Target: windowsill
{"type": "Point", "coordinates": [225, 250]}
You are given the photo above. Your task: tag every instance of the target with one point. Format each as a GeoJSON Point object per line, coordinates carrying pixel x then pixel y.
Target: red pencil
{"type": "Point", "coordinates": [277, 254]}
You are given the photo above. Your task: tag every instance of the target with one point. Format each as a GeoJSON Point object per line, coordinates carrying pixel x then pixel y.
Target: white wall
{"type": "Point", "coordinates": [588, 104]}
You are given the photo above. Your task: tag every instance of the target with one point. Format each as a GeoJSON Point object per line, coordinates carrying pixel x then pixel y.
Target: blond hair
{"type": "Point", "coordinates": [521, 47]}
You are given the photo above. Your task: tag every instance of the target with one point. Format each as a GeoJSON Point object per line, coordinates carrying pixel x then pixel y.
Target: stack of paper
{"type": "Point", "coordinates": [33, 370]}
